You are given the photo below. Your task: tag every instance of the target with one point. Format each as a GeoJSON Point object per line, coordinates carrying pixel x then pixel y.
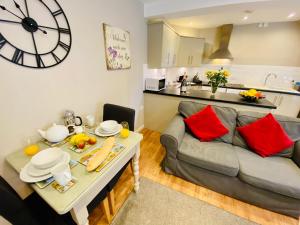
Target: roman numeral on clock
{"type": "Point", "coordinates": [2, 41]}
{"type": "Point", "coordinates": [39, 61]}
{"type": "Point", "coordinates": [18, 57]}
{"type": "Point", "coordinates": [64, 30]}
{"type": "Point", "coordinates": [64, 46]}
{"type": "Point", "coordinates": [58, 12]}
{"type": "Point", "coordinates": [57, 59]}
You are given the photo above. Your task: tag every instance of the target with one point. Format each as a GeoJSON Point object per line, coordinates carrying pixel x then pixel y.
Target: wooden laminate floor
{"type": "Point", "coordinates": [152, 154]}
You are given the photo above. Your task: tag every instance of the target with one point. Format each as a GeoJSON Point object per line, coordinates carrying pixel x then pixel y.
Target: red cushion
{"type": "Point", "coordinates": [206, 125]}
{"type": "Point", "coordinates": [266, 136]}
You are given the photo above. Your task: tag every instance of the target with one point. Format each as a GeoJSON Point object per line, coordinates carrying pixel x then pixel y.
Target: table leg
{"type": "Point", "coordinates": [135, 165]}
{"type": "Point", "coordinates": [80, 215]}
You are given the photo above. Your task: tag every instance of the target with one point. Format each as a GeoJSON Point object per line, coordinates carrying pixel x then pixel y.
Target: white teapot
{"type": "Point", "coordinates": [55, 133]}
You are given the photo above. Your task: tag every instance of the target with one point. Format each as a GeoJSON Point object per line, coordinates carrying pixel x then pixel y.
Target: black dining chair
{"type": "Point", "coordinates": [120, 114]}
{"type": "Point", "coordinates": [35, 211]}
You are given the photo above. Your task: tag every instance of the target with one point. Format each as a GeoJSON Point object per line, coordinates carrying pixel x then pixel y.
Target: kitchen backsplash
{"type": "Point", "coordinates": [243, 74]}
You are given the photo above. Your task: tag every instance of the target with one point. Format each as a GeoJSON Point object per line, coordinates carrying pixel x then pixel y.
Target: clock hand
{"type": "Point", "coordinates": [10, 21]}
{"type": "Point", "coordinates": [26, 6]}
{"type": "Point", "coordinates": [16, 22]}
{"type": "Point", "coordinates": [45, 32]}
{"type": "Point", "coordinates": [5, 9]}
{"type": "Point", "coordinates": [19, 8]}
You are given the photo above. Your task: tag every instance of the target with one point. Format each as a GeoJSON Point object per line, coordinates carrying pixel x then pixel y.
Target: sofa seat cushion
{"type": "Point", "coordinates": [276, 174]}
{"type": "Point", "coordinates": [214, 156]}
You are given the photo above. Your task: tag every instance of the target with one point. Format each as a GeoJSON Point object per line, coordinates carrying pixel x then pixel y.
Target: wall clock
{"type": "Point", "coordinates": [34, 33]}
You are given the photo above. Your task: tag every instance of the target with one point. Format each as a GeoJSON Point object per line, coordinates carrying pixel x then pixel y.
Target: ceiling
{"type": "Point", "coordinates": [261, 11]}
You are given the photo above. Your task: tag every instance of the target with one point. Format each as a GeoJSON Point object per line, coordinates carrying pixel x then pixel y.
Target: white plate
{"type": "Point", "coordinates": [35, 172]}
{"type": "Point", "coordinates": [109, 125]}
{"type": "Point", "coordinates": [99, 132]}
{"type": "Point", "coordinates": [46, 158]}
{"type": "Point", "coordinates": [24, 176]}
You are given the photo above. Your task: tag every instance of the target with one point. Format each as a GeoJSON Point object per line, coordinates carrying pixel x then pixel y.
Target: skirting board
{"type": "Point", "coordinates": [140, 128]}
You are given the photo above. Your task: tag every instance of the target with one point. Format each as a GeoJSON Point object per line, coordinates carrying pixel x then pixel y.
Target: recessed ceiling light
{"type": "Point", "coordinates": [245, 17]}
{"type": "Point", "coordinates": [247, 13]}
{"type": "Point", "coordinates": [291, 15]}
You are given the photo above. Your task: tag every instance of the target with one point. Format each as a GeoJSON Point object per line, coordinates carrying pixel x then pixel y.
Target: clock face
{"type": "Point", "coordinates": [34, 33]}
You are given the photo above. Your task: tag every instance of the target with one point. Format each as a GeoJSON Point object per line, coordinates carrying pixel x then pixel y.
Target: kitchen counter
{"type": "Point", "coordinates": [219, 97]}
{"type": "Point", "coordinates": [262, 89]}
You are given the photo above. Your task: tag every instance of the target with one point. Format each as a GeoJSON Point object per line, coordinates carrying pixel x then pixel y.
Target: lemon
{"type": "Point", "coordinates": [31, 150]}
{"type": "Point", "coordinates": [124, 133]}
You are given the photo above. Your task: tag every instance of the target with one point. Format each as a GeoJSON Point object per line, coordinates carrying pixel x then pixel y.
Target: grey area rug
{"type": "Point", "coordinates": [156, 204]}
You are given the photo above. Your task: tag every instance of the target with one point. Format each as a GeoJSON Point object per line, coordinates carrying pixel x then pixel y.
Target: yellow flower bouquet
{"type": "Point", "coordinates": [251, 95]}
{"type": "Point", "coordinates": [217, 78]}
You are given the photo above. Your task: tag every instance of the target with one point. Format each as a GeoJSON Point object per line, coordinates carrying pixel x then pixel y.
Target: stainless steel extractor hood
{"type": "Point", "coordinates": [224, 34]}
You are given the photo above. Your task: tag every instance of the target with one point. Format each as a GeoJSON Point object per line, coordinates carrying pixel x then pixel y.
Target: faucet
{"type": "Point", "coordinates": [268, 76]}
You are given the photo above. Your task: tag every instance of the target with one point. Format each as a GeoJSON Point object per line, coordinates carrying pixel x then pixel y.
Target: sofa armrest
{"type": "Point", "coordinates": [296, 155]}
{"type": "Point", "coordinates": [172, 137]}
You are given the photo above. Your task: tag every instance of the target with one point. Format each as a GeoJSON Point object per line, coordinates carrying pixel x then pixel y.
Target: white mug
{"type": "Point", "coordinates": [90, 119]}
{"type": "Point", "coordinates": [62, 173]}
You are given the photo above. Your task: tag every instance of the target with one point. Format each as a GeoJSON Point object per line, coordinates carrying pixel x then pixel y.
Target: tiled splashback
{"type": "Point", "coordinates": [251, 75]}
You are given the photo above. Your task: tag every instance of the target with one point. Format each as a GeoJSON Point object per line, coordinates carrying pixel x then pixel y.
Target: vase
{"type": "Point", "coordinates": [214, 88]}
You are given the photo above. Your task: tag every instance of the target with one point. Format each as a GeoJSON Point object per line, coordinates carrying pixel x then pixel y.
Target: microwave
{"type": "Point", "coordinates": [155, 84]}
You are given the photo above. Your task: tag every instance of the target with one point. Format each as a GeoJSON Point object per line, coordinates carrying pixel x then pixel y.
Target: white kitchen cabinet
{"type": "Point", "coordinates": [287, 105]}
{"type": "Point", "coordinates": [163, 45]}
{"type": "Point", "coordinates": [190, 52]}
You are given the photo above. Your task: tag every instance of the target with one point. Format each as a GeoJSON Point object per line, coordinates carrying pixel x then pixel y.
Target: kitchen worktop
{"type": "Point", "coordinates": [259, 88]}
{"type": "Point", "coordinates": [206, 95]}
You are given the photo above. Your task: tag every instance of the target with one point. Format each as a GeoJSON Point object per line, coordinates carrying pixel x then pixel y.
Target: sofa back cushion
{"type": "Point", "coordinates": [225, 114]}
{"type": "Point", "coordinates": [289, 124]}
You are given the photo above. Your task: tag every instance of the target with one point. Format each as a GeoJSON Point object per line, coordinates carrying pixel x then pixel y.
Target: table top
{"type": "Point", "coordinates": [63, 202]}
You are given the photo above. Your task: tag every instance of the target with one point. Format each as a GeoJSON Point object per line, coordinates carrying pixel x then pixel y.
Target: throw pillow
{"type": "Point", "coordinates": [206, 125]}
{"type": "Point", "coordinates": [265, 136]}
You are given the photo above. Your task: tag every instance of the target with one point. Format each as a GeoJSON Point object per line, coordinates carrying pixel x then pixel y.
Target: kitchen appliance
{"type": "Point", "coordinates": [70, 118]}
{"type": "Point", "coordinates": [155, 84]}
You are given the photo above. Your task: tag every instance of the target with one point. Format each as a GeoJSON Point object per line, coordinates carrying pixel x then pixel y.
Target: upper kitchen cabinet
{"type": "Point", "coordinates": [190, 52]}
{"type": "Point", "coordinates": [163, 46]}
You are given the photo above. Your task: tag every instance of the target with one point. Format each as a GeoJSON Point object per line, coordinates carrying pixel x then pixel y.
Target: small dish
{"type": "Point", "coordinates": [35, 172]}
{"type": "Point", "coordinates": [100, 133]}
{"type": "Point", "coordinates": [109, 125]}
{"type": "Point", "coordinates": [46, 158]}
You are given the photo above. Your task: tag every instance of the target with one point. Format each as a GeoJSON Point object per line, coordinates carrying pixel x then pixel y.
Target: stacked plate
{"type": "Point", "coordinates": [40, 166]}
{"type": "Point", "coordinates": [108, 128]}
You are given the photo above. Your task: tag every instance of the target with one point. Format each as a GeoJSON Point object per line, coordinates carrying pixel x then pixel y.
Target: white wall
{"type": "Point", "coordinates": [32, 99]}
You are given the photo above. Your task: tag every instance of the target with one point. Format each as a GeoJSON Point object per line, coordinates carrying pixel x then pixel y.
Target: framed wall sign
{"type": "Point", "coordinates": [117, 48]}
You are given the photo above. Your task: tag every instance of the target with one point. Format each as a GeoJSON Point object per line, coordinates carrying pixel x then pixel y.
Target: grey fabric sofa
{"type": "Point", "coordinates": [227, 166]}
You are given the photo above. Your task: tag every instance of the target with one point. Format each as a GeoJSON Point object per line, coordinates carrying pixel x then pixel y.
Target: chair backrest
{"type": "Point", "coordinates": [120, 114]}
{"type": "Point", "coordinates": [12, 207]}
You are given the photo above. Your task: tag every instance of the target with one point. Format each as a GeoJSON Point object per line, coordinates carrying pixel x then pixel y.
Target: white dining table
{"type": "Point", "coordinates": [88, 184]}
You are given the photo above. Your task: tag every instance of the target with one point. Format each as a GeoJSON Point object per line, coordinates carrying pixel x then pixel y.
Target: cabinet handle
{"type": "Point", "coordinates": [168, 58]}
{"type": "Point", "coordinates": [192, 58]}
{"type": "Point", "coordinates": [188, 60]}
{"type": "Point", "coordinates": [174, 59]}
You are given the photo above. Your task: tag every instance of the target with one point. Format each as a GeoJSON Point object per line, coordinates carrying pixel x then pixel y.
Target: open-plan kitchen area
{"type": "Point", "coordinates": [150, 112]}
{"type": "Point", "coordinates": [257, 44]}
